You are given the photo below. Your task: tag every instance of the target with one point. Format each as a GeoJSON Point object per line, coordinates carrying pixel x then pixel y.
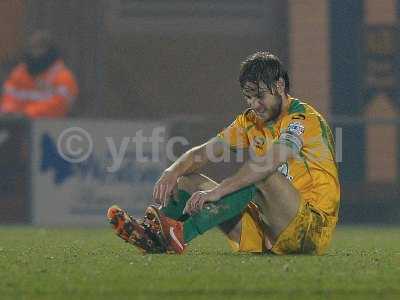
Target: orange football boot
{"type": "Point", "coordinates": [170, 229]}
{"type": "Point", "coordinates": [136, 232]}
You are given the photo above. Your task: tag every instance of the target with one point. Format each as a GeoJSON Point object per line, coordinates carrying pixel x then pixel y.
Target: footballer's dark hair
{"type": "Point", "coordinates": [263, 66]}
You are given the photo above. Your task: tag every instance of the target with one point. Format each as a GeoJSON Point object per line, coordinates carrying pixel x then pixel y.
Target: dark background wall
{"type": "Point", "coordinates": [152, 59]}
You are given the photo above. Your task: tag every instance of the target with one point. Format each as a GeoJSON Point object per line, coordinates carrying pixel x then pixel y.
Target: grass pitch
{"type": "Point", "coordinates": [363, 263]}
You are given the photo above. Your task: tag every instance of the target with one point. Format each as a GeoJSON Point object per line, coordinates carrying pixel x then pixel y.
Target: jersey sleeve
{"type": "Point", "coordinates": [298, 131]}
{"type": "Point", "coordinates": [235, 134]}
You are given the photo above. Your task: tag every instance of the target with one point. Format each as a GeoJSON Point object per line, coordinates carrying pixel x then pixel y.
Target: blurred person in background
{"type": "Point", "coordinates": [41, 86]}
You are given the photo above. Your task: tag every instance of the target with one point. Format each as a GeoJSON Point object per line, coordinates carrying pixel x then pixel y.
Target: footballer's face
{"type": "Point", "coordinates": [267, 104]}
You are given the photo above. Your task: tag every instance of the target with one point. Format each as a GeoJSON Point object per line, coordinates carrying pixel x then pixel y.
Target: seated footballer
{"type": "Point", "coordinates": [285, 197]}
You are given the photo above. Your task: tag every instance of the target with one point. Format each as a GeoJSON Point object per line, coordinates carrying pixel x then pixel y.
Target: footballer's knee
{"type": "Point", "coordinates": [277, 186]}
{"type": "Point", "coordinates": [188, 183]}
{"type": "Point", "coordinates": [274, 181]}
{"type": "Point", "coordinates": [184, 183]}
{"type": "Point", "coordinates": [194, 182]}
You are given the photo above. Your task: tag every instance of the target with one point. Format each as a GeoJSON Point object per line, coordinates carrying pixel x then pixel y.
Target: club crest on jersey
{"type": "Point", "coordinates": [259, 141]}
{"type": "Point", "coordinates": [296, 128]}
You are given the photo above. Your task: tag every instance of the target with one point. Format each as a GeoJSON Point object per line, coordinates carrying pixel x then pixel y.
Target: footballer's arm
{"type": "Point", "coordinates": [254, 170]}
{"type": "Point", "coordinates": [191, 161]}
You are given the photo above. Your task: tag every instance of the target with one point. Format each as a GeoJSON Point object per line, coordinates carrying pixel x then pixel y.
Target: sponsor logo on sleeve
{"type": "Point", "coordinates": [259, 142]}
{"type": "Point", "coordinates": [284, 170]}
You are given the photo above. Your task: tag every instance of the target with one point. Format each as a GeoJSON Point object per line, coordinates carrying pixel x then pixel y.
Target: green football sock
{"type": "Point", "coordinates": [217, 212]}
{"type": "Point", "coordinates": [176, 205]}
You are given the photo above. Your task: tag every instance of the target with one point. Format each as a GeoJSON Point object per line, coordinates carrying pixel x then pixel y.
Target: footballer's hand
{"type": "Point", "coordinates": [164, 187]}
{"type": "Point", "coordinates": [198, 199]}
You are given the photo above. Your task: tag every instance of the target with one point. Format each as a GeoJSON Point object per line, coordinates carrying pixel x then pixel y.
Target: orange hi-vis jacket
{"type": "Point", "coordinates": [47, 95]}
